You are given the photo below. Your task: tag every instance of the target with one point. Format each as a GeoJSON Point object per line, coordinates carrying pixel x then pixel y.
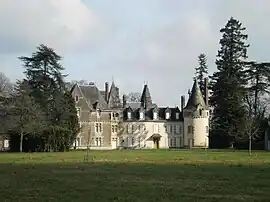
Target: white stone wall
{"type": "Point", "coordinates": [200, 128]}
{"type": "Point", "coordinates": [200, 132]}
{"type": "Point", "coordinates": [143, 130]}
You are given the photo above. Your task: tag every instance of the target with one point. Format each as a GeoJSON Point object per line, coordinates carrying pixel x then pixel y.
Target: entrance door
{"type": "Point", "coordinates": [156, 143]}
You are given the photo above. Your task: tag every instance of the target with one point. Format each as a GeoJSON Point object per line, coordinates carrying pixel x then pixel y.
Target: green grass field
{"type": "Point", "coordinates": [140, 175]}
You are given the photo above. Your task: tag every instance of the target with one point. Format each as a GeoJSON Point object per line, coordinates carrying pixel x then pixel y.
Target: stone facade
{"type": "Point", "coordinates": [107, 122]}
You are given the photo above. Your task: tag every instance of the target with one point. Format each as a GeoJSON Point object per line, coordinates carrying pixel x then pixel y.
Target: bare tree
{"type": "Point", "coordinates": [251, 130]}
{"type": "Point", "coordinates": [134, 97]}
{"type": "Point", "coordinates": [5, 85]}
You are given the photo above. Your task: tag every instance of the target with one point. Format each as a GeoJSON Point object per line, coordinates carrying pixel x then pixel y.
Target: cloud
{"type": "Point", "coordinates": [62, 24]}
{"type": "Point", "coordinates": [135, 41]}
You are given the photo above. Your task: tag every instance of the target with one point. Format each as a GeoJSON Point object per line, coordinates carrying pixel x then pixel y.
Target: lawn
{"type": "Point", "coordinates": [140, 175]}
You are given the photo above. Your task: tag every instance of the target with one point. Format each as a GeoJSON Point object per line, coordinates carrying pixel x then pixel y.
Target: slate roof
{"type": "Point", "coordinates": [195, 97]}
{"type": "Point", "coordinates": [92, 94]}
{"type": "Point", "coordinates": [148, 108]}
{"type": "Point", "coordinates": [114, 99]}
{"type": "Point", "coordinates": [146, 100]}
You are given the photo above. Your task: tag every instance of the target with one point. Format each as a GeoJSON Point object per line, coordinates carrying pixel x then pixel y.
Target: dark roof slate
{"type": "Point", "coordinates": [196, 97]}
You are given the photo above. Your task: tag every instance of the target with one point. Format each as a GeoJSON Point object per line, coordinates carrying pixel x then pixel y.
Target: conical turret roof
{"type": "Point", "coordinates": [146, 100]}
{"type": "Point", "coordinates": [196, 97]}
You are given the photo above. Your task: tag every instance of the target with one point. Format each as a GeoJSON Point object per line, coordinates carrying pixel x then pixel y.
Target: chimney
{"type": "Point", "coordinates": [106, 91]}
{"type": "Point", "coordinates": [182, 102]}
{"type": "Point", "coordinates": [124, 101]}
{"type": "Point", "coordinates": [206, 96]}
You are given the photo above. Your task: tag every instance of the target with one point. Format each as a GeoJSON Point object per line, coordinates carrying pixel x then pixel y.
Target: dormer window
{"type": "Point", "coordinates": [167, 115]}
{"type": "Point", "coordinates": [177, 115]}
{"type": "Point", "coordinates": [129, 115]}
{"type": "Point", "coordinates": [98, 112]}
{"type": "Point", "coordinates": [155, 115]}
{"type": "Point", "coordinates": [141, 115]}
{"type": "Point", "coordinates": [76, 98]}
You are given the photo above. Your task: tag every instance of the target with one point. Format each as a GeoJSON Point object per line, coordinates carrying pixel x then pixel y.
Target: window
{"type": "Point", "coordinates": [141, 115]}
{"type": "Point", "coordinates": [174, 129]}
{"type": "Point", "coordinates": [132, 141]}
{"type": "Point", "coordinates": [189, 129]}
{"type": "Point", "coordinates": [173, 142]}
{"type": "Point", "coordinates": [155, 115]}
{"type": "Point", "coordinates": [6, 143]}
{"type": "Point", "coordinates": [177, 115]}
{"type": "Point", "coordinates": [200, 111]}
{"type": "Point", "coordinates": [129, 128]}
{"type": "Point", "coordinates": [179, 129]}
{"type": "Point", "coordinates": [129, 115]}
{"type": "Point", "coordinates": [78, 112]}
{"type": "Point", "coordinates": [167, 116]}
{"type": "Point", "coordinates": [156, 128]}
{"type": "Point", "coordinates": [207, 129]}
{"type": "Point", "coordinates": [99, 141]}
{"type": "Point", "coordinates": [114, 128]}
{"type": "Point", "coordinates": [207, 113]}
{"type": "Point", "coordinates": [98, 127]}
{"type": "Point", "coordinates": [76, 98]}
{"type": "Point", "coordinates": [98, 112]}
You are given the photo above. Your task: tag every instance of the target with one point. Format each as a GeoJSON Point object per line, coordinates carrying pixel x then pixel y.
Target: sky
{"type": "Point", "coordinates": [132, 42]}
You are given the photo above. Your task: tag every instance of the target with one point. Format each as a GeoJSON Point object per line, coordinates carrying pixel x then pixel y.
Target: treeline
{"type": "Point", "coordinates": [38, 112]}
{"type": "Point", "coordinates": [239, 92]}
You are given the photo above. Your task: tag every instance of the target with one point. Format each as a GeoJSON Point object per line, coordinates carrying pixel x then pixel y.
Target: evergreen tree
{"type": "Point", "coordinates": [201, 71]}
{"type": "Point", "coordinates": [44, 73]}
{"type": "Point", "coordinates": [44, 76]}
{"type": "Point", "coordinates": [258, 74]}
{"type": "Point", "coordinates": [228, 85]}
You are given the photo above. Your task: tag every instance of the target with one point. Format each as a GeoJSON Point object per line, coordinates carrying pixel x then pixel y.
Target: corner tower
{"type": "Point", "coordinates": [196, 118]}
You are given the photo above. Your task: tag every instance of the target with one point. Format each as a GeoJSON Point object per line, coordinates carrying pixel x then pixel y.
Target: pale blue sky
{"type": "Point", "coordinates": [131, 40]}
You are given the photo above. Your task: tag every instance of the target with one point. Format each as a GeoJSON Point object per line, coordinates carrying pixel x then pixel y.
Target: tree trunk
{"type": "Point", "coordinates": [21, 142]}
{"type": "Point", "coordinates": [249, 147]}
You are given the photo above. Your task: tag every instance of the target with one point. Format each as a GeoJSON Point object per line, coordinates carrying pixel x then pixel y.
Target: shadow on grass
{"type": "Point", "coordinates": [100, 182]}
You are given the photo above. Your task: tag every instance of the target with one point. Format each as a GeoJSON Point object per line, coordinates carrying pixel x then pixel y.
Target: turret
{"type": "Point", "coordinates": [196, 121]}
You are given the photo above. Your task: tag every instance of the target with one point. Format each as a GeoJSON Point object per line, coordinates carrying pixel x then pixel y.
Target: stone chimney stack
{"type": "Point", "coordinates": [206, 96]}
{"type": "Point", "coordinates": [124, 101]}
{"type": "Point", "coordinates": [182, 102]}
{"type": "Point", "coordinates": [106, 91]}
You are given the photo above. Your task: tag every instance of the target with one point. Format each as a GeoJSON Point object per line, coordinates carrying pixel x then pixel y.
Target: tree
{"type": "Point", "coordinates": [258, 74]}
{"type": "Point", "coordinates": [228, 85]}
{"type": "Point", "coordinates": [5, 85]}
{"type": "Point", "coordinates": [201, 71]}
{"type": "Point", "coordinates": [252, 128]}
{"type": "Point", "coordinates": [24, 115]}
{"type": "Point", "coordinates": [44, 75]}
{"type": "Point", "coordinates": [134, 97]}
